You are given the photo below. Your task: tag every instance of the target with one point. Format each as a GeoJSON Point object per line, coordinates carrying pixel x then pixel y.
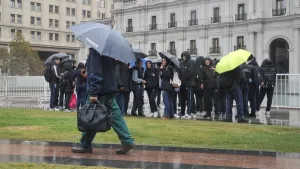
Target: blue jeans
{"type": "Point", "coordinates": [237, 96]}
{"type": "Point", "coordinates": [81, 96]}
{"type": "Point", "coordinates": [120, 102]}
{"type": "Point", "coordinates": [53, 95]}
{"type": "Point", "coordinates": [168, 101]}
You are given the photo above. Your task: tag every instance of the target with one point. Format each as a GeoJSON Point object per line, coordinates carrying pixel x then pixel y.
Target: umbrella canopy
{"type": "Point", "coordinates": [132, 64]}
{"type": "Point", "coordinates": [155, 61]}
{"type": "Point", "coordinates": [139, 54]}
{"type": "Point", "coordinates": [104, 40]}
{"type": "Point", "coordinates": [69, 60]}
{"type": "Point", "coordinates": [169, 57]}
{"type": "Point", "coordinates": [232, 61]}
{"type": "Point", "coordinates": [61, 56]}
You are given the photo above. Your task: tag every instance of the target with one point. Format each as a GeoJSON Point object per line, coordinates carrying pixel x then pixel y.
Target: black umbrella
{"type": "Point", "coordinates": [61, 56]}
{"type": "Point", "coordinates": [169, 57]}
{"type": "Point", "coordinates": [139, 54]}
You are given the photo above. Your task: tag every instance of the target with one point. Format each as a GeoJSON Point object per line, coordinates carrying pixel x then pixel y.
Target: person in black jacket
{"type": "Point", "coordinates": [199, 93]}
{"type": "Point", "coordinates": [54, 83]}
{"type": "Point", "coordinates": [168, 89]}
{"type": "Point", "coordinates": [66, 86]}
{"type": "Point", "coordinates": [268, 73]}
{"type": "Point", "coordinates": [210, 88]}
{"type": "Point", "coordinates": [231, 80]}
{"type": "Point", "coordinates": [188, 83]}
{"type": "Point", "coordinates": [253, 85]}
{"type": "Point", "coordinates": [102, 87]}
{"type": "Point", "coordinates": [80, 76]}
{"type": "Point", "coordinates": [152, 83]}
{"type": "Point", "coordinates": [138, 88]}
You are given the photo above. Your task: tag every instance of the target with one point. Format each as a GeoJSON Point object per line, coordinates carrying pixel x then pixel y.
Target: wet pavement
{"type": "Point", "coordinates": [148, 157]}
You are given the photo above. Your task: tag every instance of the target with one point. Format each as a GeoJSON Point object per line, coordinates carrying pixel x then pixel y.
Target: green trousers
{"type": "Point", "coordinates": [118, 123]}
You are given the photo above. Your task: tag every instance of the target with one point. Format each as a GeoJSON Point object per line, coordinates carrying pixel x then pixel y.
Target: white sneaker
{"type": "Point", "coordinates": [268, 113]}
{"type": "Point", "coordinates": [177, 116]}
{"type": "Point", "coordinates": [150, 115]}
{"type": "Point", "coordinates": [194, 116]}
{"type": "Point", "coordinates": [188, 117]}
{"type": "Point", "coordinates": [55, 109]}
{"type": "Point", "coordinates": [155, 115]}
{"type": "Point", "coordinates": [67, 110]}
{"type": "Point", "coordinates": [198, 114]}
{"type": "Point", "coordinates": [257, 113]}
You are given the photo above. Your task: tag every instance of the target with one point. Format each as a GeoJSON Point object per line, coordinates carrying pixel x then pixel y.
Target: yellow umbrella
{"type": "Point", "coordinates": [232, 61]}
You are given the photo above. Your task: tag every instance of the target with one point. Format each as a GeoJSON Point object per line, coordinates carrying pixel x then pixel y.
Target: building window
{"type": "Point", "coordinates": [19, 18]}
{"type": "Point", "coordinates": [53, 9]}
{"type": "Point", "coordinates": [56, 9]}
{"type": "Point", "coordinates": [56, 23]}
{"type": "Point", "coordinates": [153, 23]}
{"type": "Point", "coordinates": [50, 36]}
{"type": "Point", "coordinates": [216, 16]}
{"type": "Point", "coordinates": [173, 22]}
{"type": "Point", "coordinates": [73, 1]}
{"type": "Point", "coordinates": [68, 12]}
{"type": "Point", "coordinates": [32, 20]}
{"type": "Point", "coordinates": [87, 2]}
{"type": "Point", "coordinates": [12, 4]}
{"type": "Point", "coordinates": [102, 3]}
{"type": "Point", "coordinates": [38, 20]}
{"type": "Point", "coordinates": [19, 2]}
{"type": "Point", "coordinates": [240, 43]}
{"type": "Point", "coordinates": [73, 12]}
{"type": "Point", "coordinates": [129, 24]}
{"type": "Point", "coordinates": [279, 8]}
{"type": "Point", "coordinates": [73, 23]}
{"type": "Point", "coordinates": [12, 33]}
{"type": "Point", "coordinates": [193, 47]}
{"type": "Point", "coordinates": [68, 24]}
{"type": "Point", "coordinates": [56, 37]}
{"type": "Point", "coordinates": [32, 35]}
{"type": "Point", "coordinates": [84, 13]}
{"type": "Point", "coordinates": [153, 51]}
{"type": "Point", "coordinates": [172, 48]}
{"type": "Point", "coordinates": [73, 38]}
{"type": "Point", "coordinates": [98, 14]}
{"type": "Point", "coordinates": [194, 20]}
{"type": "Point", "coordinates": [89, 14]}
{"type": "Point", "coordinates": [32, 6]}
{"type": "Point", "coordinates": [12, 18]}
{"type": "Point", "coordinates": [50, 22]}
{"type": "Point", "coordinates": [241, 13]}
{"type": "Point", "coordinates": [38, 35]}
{"type": "Point", "coordinates": [103, 15]}
{"type": "Point", "coordinates": [68, 38]}
{"type": "Point", "coordinates": [215, 46]}
{"type": "Point", "coordinates": [38, 7]}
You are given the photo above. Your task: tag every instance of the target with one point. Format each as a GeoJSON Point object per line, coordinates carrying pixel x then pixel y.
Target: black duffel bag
{"type": "Point", "coordinates": [93, 118]}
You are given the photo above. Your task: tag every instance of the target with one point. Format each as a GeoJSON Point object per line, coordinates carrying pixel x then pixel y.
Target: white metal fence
{"type": "Point", "coordinates": [25, 88]}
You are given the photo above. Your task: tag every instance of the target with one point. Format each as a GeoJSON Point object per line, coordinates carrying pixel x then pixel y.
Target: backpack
{"type": "Point", "coordinates": [48, 73]}
{"type": "Point", "coordinates": [247, 73]}
{"type": "Point", "coordinates": [64, 79]}
{"type": "Point", "coordinates": [270, 78]}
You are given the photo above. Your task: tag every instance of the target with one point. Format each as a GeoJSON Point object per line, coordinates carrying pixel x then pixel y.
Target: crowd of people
{"type": "Point", "coordinates": [201, 92]}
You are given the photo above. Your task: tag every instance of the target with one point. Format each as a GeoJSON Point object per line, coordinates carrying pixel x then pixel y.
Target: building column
{"type": "Point", "coordinates": [252, 43]}
{"type": "Point", "coordinates": [293, 60]}
{"type": "Point", "coordinates": [259, 8]}
{"type": "Point", "coordinates": [225, 48]}
{"type": "Point", "coordinates": [260, 47]}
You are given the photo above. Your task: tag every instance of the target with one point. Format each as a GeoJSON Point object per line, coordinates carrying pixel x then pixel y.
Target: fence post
{"type": "Point", "coordinates": [6, 86]}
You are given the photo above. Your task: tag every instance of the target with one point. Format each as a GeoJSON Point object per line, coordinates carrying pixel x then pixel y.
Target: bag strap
{"type": "Point", "coordinates": [94, 110]}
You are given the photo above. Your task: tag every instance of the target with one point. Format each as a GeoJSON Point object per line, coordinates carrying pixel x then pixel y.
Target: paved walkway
{"type": "Point", "coordinates": [148, 157]}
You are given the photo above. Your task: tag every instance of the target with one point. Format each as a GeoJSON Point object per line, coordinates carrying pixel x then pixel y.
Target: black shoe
{"type": "Point", "coordinates": [141, 115]}
{"type": "Point", "coordinates": [82, 150]}
{"type": "Point", "coordinates": [133, 114]}
{"type": "Point", "coordinates": [252, 115]}
{"type": "Point", "coordinates": [242, 121]}
{"type": "Point", "coordinates": [125, 149]}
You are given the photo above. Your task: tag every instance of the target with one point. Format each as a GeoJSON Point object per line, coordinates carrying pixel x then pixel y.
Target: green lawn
{"type": "Point", "coordinates": [24, 124]}
{"type": "Point", "coordinates": [43, 166]}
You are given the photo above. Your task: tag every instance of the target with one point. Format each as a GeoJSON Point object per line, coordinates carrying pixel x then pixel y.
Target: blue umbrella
{"type": "Point", "coordinates": [144, 61]}
{"type": "Point", "coordinates": [104, 40]}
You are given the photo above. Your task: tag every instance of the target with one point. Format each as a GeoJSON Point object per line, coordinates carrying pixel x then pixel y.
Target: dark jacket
{"type": "Point", "coordinates": [67, 81]}
{"type": "Point", "coordinates": [266, 66]}
{"type": "Point", "coordinates": [166, 76]}
{"type": "Point", "coordinates": [232, 80]}
{"type": "Point", "coordinates": [80, 79]}
{"type": "Point", "coordinates": [137, 76]}
{"type": "Point", "coordinates": [187, 71]}
{"type": "Point", "coordinates": [209, 76]}
{"type": "Point", "coordinates": [123, 76]}
{"type": "Point", "coordinates": [152, 78]}
{"type": "Point", "coordinates": [101, 77]}
{"type": "Point", "coordinates": [55, 73]}
{"type": "Point", "coordinates": [199, 72]}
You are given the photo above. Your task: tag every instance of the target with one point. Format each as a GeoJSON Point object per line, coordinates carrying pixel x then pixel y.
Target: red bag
{"type": "Point", "coordinates": [73, 101]}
